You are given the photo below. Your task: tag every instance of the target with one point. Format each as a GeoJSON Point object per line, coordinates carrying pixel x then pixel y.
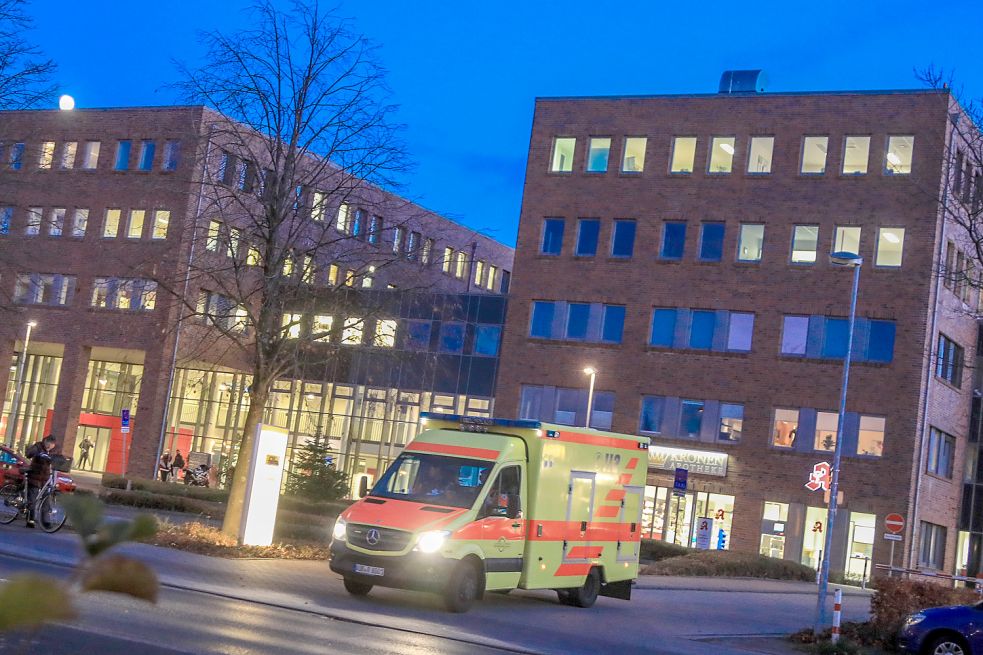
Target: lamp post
{"type": "Point", "coordinates": [855, 261]}
{"type": "Point", "coordinates": [18, 384]}
{"type": "Point", "coordinates": [590, 391]}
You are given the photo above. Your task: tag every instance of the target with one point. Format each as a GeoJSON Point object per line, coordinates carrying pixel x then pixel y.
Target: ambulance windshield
{"type": "Point", "coordinates": [434, 479]}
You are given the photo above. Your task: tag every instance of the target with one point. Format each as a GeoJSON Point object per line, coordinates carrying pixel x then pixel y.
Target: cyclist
{"type": "Point", "coordinates": [37, 474]}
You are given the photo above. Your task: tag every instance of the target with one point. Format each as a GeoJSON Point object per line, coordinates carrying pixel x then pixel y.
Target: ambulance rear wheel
{"type": "Point", "coordinates": [586, 595]}
{"type": "Point", "coordinates": [463, 588]}
{"type": "Point", "coordinates": [356, 588]}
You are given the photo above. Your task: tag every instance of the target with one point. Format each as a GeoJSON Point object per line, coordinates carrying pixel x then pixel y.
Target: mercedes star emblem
{"type": "Point", "coordinates": [372, 537]}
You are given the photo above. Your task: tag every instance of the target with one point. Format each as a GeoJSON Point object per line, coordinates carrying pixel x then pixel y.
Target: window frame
{"type": "Point", "coordinates": [624, 153]}
{"type": "Point", "coordinates": [750, 150]}
{"type": "Point", "coordinates": [615, 224]}
{"type": "Point", "coordinates": [792, 250]}
{"type": "Point", "coordinates": [703, 241]}
{"type": "Point", "coordinates": [672, 153]}
{"type": "Point", "coordinates": [885, 171]}
{"type": "Point", "coordinates": [551, 167]}
{"type": "Point", "coordinates": [740, 239]}
{"type": "Point", "coordinates": [607, 161]}
{"type": "Point", "coordinates": [802, 156]}
{"type": "Point", "coordinates": [580, 232]}
{"type": "Point", "coordinates": [710, 154]}
{"type": "Point", "coordinates": [663, 241]}
{"type": "Point", "coordinates": [877, 246]}
{"type": "Point", "coordinates": [866, 170]}
{"type": "Point", "coordinates": [544, 231]}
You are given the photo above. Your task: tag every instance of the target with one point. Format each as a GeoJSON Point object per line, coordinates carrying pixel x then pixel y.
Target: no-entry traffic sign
{"type": "Point", "coordinates": [894, 523]}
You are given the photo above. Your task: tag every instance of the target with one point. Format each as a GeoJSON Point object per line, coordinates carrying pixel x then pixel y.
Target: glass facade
{"type": "Point", "coordinates": [37, 400]}
{"type": "Point", "coordinates": [673, 518]}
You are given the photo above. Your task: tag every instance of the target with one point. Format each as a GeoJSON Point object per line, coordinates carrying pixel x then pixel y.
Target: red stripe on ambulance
{"type": "Point", "coordinates": [445, 449]}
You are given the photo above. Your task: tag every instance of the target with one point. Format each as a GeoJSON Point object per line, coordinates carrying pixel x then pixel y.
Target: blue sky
{"type": "Point", "coordinates": [465, 74]}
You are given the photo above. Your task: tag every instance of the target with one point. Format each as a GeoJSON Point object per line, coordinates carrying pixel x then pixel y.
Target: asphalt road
{"type": "Point", "coordinates": [210, 605]}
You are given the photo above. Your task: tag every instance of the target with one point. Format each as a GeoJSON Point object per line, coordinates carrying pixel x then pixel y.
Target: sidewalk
{"type": "Point", "coordinates": [742, 585]}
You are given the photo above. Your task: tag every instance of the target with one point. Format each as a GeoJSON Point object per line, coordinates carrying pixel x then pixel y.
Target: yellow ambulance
{"type": "Point", "coordinates": [474, 505]}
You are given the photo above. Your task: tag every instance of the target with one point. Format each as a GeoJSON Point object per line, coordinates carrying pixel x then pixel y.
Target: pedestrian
{"type": "Point", "coordinates": [84, 449]}
{"type": "Point", "coordinates": [178, 465]}
{"type": "Point", "coordinates": [37, 475]}
{"type": "Point", "coordinates": [164, 465]}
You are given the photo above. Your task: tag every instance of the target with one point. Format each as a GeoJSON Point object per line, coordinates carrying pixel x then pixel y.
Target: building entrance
{"type": "Point", "coordinates": [98, 440]}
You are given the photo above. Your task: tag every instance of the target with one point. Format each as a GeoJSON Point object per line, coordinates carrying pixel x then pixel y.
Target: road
{"type": "Point", "coordinates": [211, 605]}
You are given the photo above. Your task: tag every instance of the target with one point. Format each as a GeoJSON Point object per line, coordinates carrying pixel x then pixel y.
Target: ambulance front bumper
{"type": "Point", "coordinates": [415, 570]}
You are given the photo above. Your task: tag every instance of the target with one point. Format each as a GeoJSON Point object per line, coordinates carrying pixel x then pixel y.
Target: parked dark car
{"type": "Point", "coordinates": [944, 631]}
{"type": "Point", "coordinates": [12, 463]}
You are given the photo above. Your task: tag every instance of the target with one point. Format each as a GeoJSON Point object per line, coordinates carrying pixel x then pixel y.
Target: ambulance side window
{"type": "Point", "coordinates": [506, 485]}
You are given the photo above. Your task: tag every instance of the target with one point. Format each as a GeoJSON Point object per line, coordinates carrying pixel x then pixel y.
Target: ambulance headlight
{"type": "Point", "coordinates": [340, 530]}
{"type": "Point", "coordinates": [431, 542]}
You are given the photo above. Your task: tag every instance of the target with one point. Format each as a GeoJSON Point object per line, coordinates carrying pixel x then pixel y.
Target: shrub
{"type": "Point", "coordinates": [302, 505]}
{"type": "Point", "coordinates": [206, 540]}
{"type": "Point", "coordinates": [113, 481]}
{"type": "Point", "coordinates": [654, 550]}
{"type": "Point", "coordinates": [896, 598]}
{"type": "Point", "coordinates": [732, 564]}
{"type": "Point", "coordinates": [842, 647]}
{"type": "Point", "coordinates": [163, 502]}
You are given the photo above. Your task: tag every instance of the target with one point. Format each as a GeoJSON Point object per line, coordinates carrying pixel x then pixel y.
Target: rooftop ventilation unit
{"type": "Point", "coordinates": [753, 81]}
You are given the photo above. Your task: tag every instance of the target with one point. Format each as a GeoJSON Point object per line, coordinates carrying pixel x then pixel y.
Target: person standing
{"type": "Point", "coordinates": [84, 449]}
{"type": "Point", "coordinates": [164, 466]}
{"type": "Point", "coordinates": [178, 465]}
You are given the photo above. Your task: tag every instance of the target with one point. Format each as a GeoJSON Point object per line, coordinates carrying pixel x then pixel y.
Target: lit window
{"type": "Point", "coordinates": [351, 333]}
{"type": "Point", "coordinates": [462, 261]}
{"type": "Point", "coordinates": [79, 222]}
{"type": "Point", "coordinates": [349, 278]}
{"type": "Point", "coordinates": [795, 332]}
{"type": "Point", "coordinates": [47, 155]}
{"type": "Point", "coordinates": [90, 155]}
{"type": "Point", "coordinates": [110, 228]}
{"type": "Point", "coordinates": [712, 242]}
{"type": "Point", "coordinates": [446, 262]}
{"type": "Point", "coordinates": [722, 154]}
{"type": "Point", "coordinates": [214, 232]}
{"type": "Point", "coordinates": [856, 153]}
{"type": "Point", "coordinates": [288, 265]}
{"type": "Point", "coordinates": [34, 218]}
{"type": "Point", "coordinates": [552, 236]}
{"type": "Point", "coordinates": [690, 418]}
{"type": "Point", "coordinates": [385, 334]}
{"type": "Point", "coordinates": [427, 253]}
{"type": "Point", "coordinates": [826, 424]}
{"type": "Point", "coordinates": [253, 257]}
{"type": "Point", "coordinates": [68, 152]}
{"type": "Point", "coordinates": [752, 238]}
{"type": "Point", "coordinates": [785, 427]}
{"type": "Point", "coordinates": [321, 328]}
{"type": "Point", "coordinates": [100, 292]}
{"type": "Point", "coordinates": [563, 148]}
{"type": "Point", "coordinates": [890, 244]}
{"type": "Point", "coordinates": [291, 323]}
{"type": "Point", "coordinates": [587, 231]}
{"type": "Point", "coordinates": [650, 418]}
{"type": "Point", "coordinates": [846, 239]}
{"type": "Point", "coordinates": [740, 330]}
{"type": "Point", "coordinates": [683, 154]}
{"type": "Point", "coordinates": [731, 422]}
{"type": "Point", "coordinates": [760, 154]}
{"type": "Point", "coordinates": [307, 270]}
{"type": "Point", "coordinates": [57, 223]}
{"type": "Point", "coordinates": [122, 156]}
{"type": "Point", "coordinates": [147, 150]}
{"type": "Point", "coordinates": [633, 158]}
{"type": "Point", "coordinates": [490, 281]}
{"type": "Point", "coordinates": [162, 218]}
{"type": "Point", "coordinates": [134, 229]}
{"type": "Point", "coordinates": [172, 154]}
{"type": "Point", "coordinates": [673, 240]}
{"type": "Point", "coordinates": [368, 277]}
{"type": "Point", "coordinates": [870, 441]}
{"type": "Point", "coordinates": [333, 274]}
{"type": "Point", "coordinates": [814, 155]}
{"type": "Point", "coordinates": [623, 239]}
{"type": "Point", "coordinates": [805, 240]}
{"type": "Point", "coordinates": [479, 271]}
{"type": "Point", "coordinates": [899, 151]}
{"type": "Point", "coordinates": [342, 221]}
{"type": "Point", "coordinates": [597, 154]}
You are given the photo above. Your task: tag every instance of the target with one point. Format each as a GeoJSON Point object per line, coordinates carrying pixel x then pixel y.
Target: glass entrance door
{"type": "Point", "coordinates": [98, 448]}
{"type": "Point", "coordinates": [679, 519]}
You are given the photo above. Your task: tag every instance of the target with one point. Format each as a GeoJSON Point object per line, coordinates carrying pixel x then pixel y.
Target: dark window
{"type": "Point", "coordinates": [691, 418]}
{"type": "Point", "coordinates": [880, 348]}
{"type": "Point", "coordinates": [147, 150]}
{"type": "Point", "coordinates": [931, 551]}
{"type": "Point", "coordinates": [552, 236]}
{"type": "Point", "coordinates": [452, 337]}
{"type": "Point", "coordinates": [701, 332]}
{"type": "Point", "coordinates": [172, 153]}
{"type": "Point", "coordinates": [613, 324]}
{"type": "Point", "coordinates": [712, 242]}
{"type": "Point", "coordinates": [941, 451]}
{"type": "Point", "coordinates": [16, 156]}
{"type": "Point", "coordinates": [663, 327]}
{"type": "Point", "coordinates": [587, 230]}
{"type": "Point", "coordinates": [623, 241]}
{"type": "Point", "coordinates": [949, 361]}
{"type": "Point", "coordinates": [673, 240]}
{"type": "Point", "coordinates": [418, 335]}
{"type": "Point", "coordinates": [506, 280]}
{"type": "Point", "coordinates": [650, 419]}
{"type": "Point", "coordinates": [578, 315]}
{"type": "Point", "coordinates": [542, 320]}
{"type": "Point", "coordinates": [835, 338]}
{"type": "Point", "coordinates": [122, 155]}
{"type": "Point", "coordinates": [486, 339]}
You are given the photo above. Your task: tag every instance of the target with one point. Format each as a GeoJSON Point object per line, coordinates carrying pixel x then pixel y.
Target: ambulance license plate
{"type": "Point", "coordinates": [369, 570]}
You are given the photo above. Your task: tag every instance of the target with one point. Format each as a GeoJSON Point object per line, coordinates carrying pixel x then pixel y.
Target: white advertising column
{"type": "Point", "coordinates": [263, 485]}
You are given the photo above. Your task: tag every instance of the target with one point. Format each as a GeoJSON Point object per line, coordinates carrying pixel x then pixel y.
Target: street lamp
{"type": "Point", "coordinates": [855, 261]}
{"type": "Point", "coordinates": [590, 391]}
{"type": "Point", "coordinates": [18, 384]}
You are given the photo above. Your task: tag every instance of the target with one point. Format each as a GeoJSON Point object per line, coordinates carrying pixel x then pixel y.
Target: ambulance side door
{"type": "Point", "coordinates": [503, 527]}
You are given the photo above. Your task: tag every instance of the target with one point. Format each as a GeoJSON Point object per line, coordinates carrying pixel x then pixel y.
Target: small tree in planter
{"type": "Point", "coordinates": [314, 475]}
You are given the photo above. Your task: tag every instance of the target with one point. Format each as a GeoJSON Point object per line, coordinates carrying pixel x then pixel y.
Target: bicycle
{"type": "Point", "coordinates": [48, 512]}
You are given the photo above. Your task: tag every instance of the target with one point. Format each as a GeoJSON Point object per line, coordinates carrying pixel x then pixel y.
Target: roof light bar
{"type": "Point", "coordinates": [479, 420]}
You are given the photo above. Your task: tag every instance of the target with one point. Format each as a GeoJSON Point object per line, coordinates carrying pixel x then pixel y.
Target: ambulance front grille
{"type": "Point", "coordinates": [385, 539]}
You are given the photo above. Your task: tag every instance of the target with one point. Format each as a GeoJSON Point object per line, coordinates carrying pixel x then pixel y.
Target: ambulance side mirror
{"type": "Point", "coordinates": [515, 506]}
{"type": "Point", "coordinates": [363, 487]}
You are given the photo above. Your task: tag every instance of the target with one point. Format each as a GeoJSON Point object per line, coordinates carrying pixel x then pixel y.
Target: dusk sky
{"type": "Point", "coordinates": [466, 74]}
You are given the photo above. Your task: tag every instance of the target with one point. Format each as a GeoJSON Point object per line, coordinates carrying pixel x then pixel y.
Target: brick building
{"type": "Point", "coordinates": [680, 246]}
{"type": "Point", "coordinates": [95, 203]}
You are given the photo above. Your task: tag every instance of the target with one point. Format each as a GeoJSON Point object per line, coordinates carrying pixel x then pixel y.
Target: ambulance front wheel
{"type": "Point", "coordinates": [584, 596]}
{"type": "Point", "coordinates": [463, 587]}
{"type": "Point", "coordinates": [356, 588]}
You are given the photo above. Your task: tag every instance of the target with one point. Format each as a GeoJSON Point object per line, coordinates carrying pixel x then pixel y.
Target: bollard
{"type": "Point", "coordinates": [837, 604]}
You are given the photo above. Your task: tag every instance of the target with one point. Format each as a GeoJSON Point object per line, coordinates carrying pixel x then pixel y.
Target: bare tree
{"type": "Point", "coordinates": [25, 75]}
{"type": "Point", "coordinates": [300, 147]}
